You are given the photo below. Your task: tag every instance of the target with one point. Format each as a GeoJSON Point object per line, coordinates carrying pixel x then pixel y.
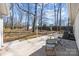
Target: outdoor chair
{"type": "Point", "coordinates": [51, 44]}
{"type": "Point", "coordinates": [50, 47]}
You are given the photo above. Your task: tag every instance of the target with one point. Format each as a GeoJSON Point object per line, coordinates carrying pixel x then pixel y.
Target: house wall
{"type": "Point", "coordinates": [74, 18]}
{"type": "Point", "coordinates": [73, 11]}
{"type": "Point", "coordinates": [76, 29]}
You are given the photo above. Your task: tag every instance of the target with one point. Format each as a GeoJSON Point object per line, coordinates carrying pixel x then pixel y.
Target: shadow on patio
{"type": "Point", "coordinates": [68, 48]}
{"type": "Point", "coordinates": [40, 52]}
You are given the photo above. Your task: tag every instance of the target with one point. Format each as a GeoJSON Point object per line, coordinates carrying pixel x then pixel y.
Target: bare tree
{"type": "Point", "coordinates": [6, 22]}
{"type": "Point", "coordinates": [28, 18]}
{"type": "Point", "coordinates": [60, 16]}
{"type": "Point", "coordinates": [23, 10]}
{"type": "Point", "coordinates": [11, 15]}
{"type": "Point", "coordinates": [41, 14]}
{"type": "Point", "coordinates": [55, 14]}
{"type": "Point", "coordinates": [20, 19]}
{"type": "Point", "coordinates": [35, 17]}
{"type": "Point", "coordinates": [29, 13]}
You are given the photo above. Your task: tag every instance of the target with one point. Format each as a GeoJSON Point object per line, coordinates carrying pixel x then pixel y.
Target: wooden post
{"type": "Point", "coordinates": [4, 11]}
{"type": "Point", "coordinates": [1, 32]}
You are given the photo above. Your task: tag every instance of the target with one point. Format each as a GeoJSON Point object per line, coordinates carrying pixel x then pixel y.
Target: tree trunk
{"type": "Point", "coordinates": [60, 16]}
{"type": "Point", "coordinates": [55, 14]}
{"type": "Point", "coordinates": [28, 18]}
{"type": "Point", "coordinates": [35, 17]}
{"type": "Point", "coordinates": [11, 16]}
{"type": "Point", "coordinates": [41, 15]}
{"type": "Point", "coordinates": [57, 17]}
{"type": "Point", "coordinates": [20, 20]}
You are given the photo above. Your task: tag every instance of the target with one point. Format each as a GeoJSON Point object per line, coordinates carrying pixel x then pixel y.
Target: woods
{"type": "Point", "coordinates": [27, 18]}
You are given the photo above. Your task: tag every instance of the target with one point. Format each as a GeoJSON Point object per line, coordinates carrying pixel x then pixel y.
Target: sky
{"type": "Point", "coordinates": [48, 11]}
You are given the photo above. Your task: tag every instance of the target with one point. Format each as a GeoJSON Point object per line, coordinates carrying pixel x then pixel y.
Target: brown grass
{"type": "Point", "coordinates": [20, 34]}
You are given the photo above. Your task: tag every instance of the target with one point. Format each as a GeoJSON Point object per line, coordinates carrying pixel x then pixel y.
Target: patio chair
{"type": "Point", "coordinates": [50, 47]}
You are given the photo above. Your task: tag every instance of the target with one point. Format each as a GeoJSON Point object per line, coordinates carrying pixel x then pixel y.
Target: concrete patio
{"type": "Point", "coordinates": [36, 47]}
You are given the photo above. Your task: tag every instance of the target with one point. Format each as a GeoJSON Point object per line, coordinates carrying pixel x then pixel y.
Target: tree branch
{"type": "Point", "coordinates": [25, 10]}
